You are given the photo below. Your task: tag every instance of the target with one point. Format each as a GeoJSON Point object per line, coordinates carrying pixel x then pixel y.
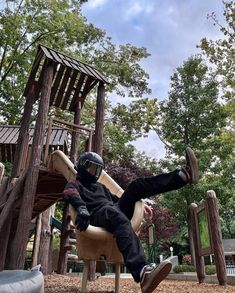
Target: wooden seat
{"type": "Point", "coordinates": [96, 242]}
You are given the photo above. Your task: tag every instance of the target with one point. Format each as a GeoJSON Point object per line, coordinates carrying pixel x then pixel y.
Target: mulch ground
{"type": "Point", "coordinates": [63, 284]}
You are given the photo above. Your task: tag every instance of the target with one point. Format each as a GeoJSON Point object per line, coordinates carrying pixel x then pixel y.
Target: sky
{"type": "Point", "coordinates": [169, 29]}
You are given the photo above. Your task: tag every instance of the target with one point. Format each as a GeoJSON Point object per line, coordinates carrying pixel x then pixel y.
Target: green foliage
{"type": "Point", "coordinates": [56, 241]}
{"type": "Point", "coordinates": [8, 168]}
{"type": "Point", "coordinates": [59, 24]}
{"type": "Point", "coordinates": [59, 211]}
{"type": "Point", "coordinates": [183, 269]}
{"type": "Point", "coordinates": [210, 269]}
{"type": "Point", "coordinates": [221, 52]}
{"type": "Point", "coordinates": [125, 123]}
{"type": "Point", "coordinates": [137, 118]}
{"type": "Point", "coordinates": [192, 113]}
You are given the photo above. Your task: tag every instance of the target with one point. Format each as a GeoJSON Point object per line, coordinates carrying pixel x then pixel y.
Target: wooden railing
{"type": "Point", "coordinates": [73, 126]}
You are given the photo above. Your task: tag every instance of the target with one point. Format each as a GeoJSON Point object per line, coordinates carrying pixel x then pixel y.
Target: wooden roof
{"type": "Point", "coordinates": [72, 80]}
{"type": "Point", "coordinates": [9, 135]}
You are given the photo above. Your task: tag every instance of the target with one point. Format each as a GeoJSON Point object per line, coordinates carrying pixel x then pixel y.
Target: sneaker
{"type": "Point", "coordinates": [191, 169]}
{"type": "Point", "coordinates": [153, 275]}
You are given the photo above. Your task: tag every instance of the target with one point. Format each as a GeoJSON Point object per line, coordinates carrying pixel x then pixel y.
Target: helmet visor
{"type": "Point", "coordinates": [93, 168]}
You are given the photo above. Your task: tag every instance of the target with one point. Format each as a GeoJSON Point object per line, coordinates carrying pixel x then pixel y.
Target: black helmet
{"type": "Point", "coordinates": [89, 166]}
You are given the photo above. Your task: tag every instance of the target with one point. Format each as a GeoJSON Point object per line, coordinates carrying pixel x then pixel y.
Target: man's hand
{"type": "Point", "coordinates": [82, 219]}
{"type": "Point", "coordinates": [148, 211]}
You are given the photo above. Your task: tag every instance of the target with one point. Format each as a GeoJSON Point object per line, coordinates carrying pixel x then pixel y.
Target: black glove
{"type": "Point", "coordinates": [83, 218]}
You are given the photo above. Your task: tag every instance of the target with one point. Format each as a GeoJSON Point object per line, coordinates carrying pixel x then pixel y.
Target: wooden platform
{"type": "Point", "coordinates": [50, 188]}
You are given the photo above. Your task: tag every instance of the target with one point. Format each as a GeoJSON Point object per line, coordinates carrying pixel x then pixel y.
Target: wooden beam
{"type": "Point", "coordinates": [23, 138]}
{"type": "Point", "coordinates": [75, 98]}
{"type": "Point", "coordinates": [18, 245]}
{"type": "Point", "coordinates": [217, 243]}
{"type": "Point", "coordinates": [99, 123]}
{"type": "Point", "coordinates": [199, 260]}
{"type": "Point", "coordinates": [69, 89]}
{"type": "Point", "coordinates": [62, 88]}
{"type": "Point", "coordinates": [72, 124]}
{"type": "Point", "coordinates": [75, 135]}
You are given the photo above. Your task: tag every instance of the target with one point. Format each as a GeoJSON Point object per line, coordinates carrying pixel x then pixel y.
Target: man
{"type": "Point", "coordinates": [95, 204]}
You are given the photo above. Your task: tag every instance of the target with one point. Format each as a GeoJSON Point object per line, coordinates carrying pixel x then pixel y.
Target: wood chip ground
{"type": "Point", "coordinates": [71, 284]}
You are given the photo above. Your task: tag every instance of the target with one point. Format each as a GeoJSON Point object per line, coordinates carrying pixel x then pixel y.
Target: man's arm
{"type": "Point", "coordinates": [72, 196]}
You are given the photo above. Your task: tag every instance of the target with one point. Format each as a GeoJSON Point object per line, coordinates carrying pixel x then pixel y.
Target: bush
{"type": "Point", "coordinates": [210, 269]}
{"type": "Point", "coordinates": [183, 268]}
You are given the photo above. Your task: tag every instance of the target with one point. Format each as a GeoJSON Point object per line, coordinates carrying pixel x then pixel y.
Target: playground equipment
{"type": "Point", "coordinates": [152, 244]}
{"type": "Point", "coordinates": [60, 82]}
{"type": "Point", "coordinates": [95, 241]}
{"type": "Point", "coordinates": [55, 81]}
{"type": "Point", "coordinates": [207, 237]}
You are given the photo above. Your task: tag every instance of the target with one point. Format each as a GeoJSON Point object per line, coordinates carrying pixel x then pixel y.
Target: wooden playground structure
{"type": "Point", "coordinates": [207, 237]}
{"type": "Point", "coordinates": [55, 81]}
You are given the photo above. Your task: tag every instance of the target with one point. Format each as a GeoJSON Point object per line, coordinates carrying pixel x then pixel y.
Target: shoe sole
{"type": "Point", "coordinates": [161, 275]}
{"type": "Point", "coordinates": [193, 165]}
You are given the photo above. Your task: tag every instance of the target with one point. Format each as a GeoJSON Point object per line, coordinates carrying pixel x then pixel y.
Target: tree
{"type": "Point", "coordinates": [126, 123]}
{"type": "Point", "coordinates": [59, 24]}
{"type": "Point", "coordinates": [193, 113]}
{"type": "Point", "coordinates": [191, 116]}
{"type": "Point", "coordinates": [163, 222]}
{"type": "Point", "coordinates": [221, 52]}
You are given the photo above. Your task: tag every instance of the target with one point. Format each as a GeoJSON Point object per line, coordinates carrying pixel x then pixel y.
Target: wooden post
{"type": "Point", "coordinates": [23, 138]}
{"type": "Point", "coordinates": [89, 144]}
{"type": "Point", "coordinates": [18, 246]}
{"type": "Point", "coordinates": [2, 170]}
{"type": "Point", "coordinates": [64, 241]}
{"type": "Point", "coordinates": [217, 244]}
{"type": "Point", "coordinates": [64, 236]}
{"type": "Point", "coordinates": [99, 123]}
{"type": "Point", "coordinates": [75, 134]}
{"type": "Point", "coordinates": [117, 277]}
{"type": "Point", "coordinates": [199, 260]}
{"type": "Point", "coordinates": [37, 241]}
{"type": "Point", "coordinates": [5, 233]}
{"type": "Point", "coordinates": [45, 237]}
{"type": "Point", "coordinates": [47, 141]}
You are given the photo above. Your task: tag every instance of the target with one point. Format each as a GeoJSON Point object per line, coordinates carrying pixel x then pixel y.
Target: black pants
{"type": "Point", "coordinates": [116, 218]}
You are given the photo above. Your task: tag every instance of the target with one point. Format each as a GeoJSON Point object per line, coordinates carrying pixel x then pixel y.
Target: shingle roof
{"type": "Point", "coordinates": [72, 79]}
{"type": "Point", "coordinates": [9, 135]}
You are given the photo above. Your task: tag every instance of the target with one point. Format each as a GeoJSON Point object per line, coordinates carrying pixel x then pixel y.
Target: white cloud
{"type": "Point", "coordinates": [134, 9]}
{"type": "Point", "coordinates": [95, 3]}
{"type": "Point", "coordinates": [152, 146]}
{"type": "Point", "coordinates": [169, 29]}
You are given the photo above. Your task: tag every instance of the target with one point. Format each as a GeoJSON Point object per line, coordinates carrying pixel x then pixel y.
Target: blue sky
{"type": "Point", "coordinates": [169, 29]}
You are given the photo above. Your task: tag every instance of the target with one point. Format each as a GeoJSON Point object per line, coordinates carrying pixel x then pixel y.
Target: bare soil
{"type": "Point", "coordinates": [71, 284]}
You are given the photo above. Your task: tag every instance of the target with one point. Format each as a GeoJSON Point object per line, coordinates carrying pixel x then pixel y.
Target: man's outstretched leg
{"type": "Point", "coordinates": [152, 275]}
{"type": "Point", "coordinates": [149, 186]}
